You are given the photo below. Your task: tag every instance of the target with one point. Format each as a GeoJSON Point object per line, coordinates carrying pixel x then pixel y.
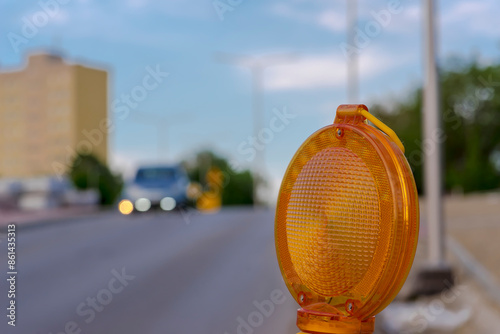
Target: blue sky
{"type": "Point", "coordinates": [209, 103]}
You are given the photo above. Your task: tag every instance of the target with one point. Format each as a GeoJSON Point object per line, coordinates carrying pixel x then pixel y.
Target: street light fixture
{"type": "Point", "coordinates": [161, 122]}
{"type": "Point", "coordinates": [257, 66]}
{"type": "Point", "coordinates": [438, 275]}
{"type": "Point", "coordinates": [352, 61]}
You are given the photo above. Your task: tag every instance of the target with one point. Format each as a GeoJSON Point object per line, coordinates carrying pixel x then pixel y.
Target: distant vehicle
{"type": "Point", "coordinates": [161, 187]}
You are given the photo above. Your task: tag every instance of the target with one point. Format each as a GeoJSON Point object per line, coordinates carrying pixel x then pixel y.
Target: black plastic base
{"type": "Point", "coordinates": [433, 280]}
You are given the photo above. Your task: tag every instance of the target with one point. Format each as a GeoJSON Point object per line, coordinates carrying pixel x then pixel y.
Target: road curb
{"type": "Point", "coordinates": [66, 218]}
{"type": "Point", "coordinates": [476, 269]}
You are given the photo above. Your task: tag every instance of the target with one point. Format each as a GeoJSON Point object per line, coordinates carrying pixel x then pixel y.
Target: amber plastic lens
{"type": "Point", "coordinates": [331, 249]}
{"type": "Point", "coordinates": [347, 219]}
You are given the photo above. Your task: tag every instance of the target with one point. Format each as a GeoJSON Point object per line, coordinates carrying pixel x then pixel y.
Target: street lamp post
{"type": "Point", "coordinates": [257, 66]}
{"type": "Point", "coordinates": [433, 158]}
{"type": "Point", "coordinates": [437, 276]}
{"type": "Point", "coordinates": [161, 123]}
{"type": "Point", "coordinates": [352, 61]}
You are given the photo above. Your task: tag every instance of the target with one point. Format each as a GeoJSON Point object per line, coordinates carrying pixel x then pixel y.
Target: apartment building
{"type": "Point", "coordinates": [49, 110]}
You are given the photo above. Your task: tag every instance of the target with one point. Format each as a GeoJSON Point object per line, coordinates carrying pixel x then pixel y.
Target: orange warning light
{"type": "Point", "coordinates": [347, 223]}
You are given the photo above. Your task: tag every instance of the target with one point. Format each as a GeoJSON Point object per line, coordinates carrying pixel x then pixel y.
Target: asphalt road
{"type": "Point", "coordinates": [149, 273]}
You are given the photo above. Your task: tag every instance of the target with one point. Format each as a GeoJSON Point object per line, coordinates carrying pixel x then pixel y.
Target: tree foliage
{"type": "Point", "coordinates": [470, 105]}
{"type": "Point", "coordinates": [87, 172]}
{"type": "Point", "coordinates": [236, 187]}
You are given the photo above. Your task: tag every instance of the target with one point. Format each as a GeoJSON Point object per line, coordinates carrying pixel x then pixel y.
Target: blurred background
{"type": "Point", "coordinates": [143, 144]}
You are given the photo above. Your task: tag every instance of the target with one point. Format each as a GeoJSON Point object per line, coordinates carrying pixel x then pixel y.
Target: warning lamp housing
{"type": "Point", "coordinates": [347, 223]}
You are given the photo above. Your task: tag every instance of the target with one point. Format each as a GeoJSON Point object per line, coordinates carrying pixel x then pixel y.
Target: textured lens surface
{"type": "Point", "coordinates": [346, 220]}
{"type": "Point", "coordinates": [335, 218]}
{"type": "Point", "coordinates": [332, 222]}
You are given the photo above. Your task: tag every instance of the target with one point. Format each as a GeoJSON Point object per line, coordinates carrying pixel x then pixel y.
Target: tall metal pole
{"type": "Point", "coordinates": [258, 125]}
{"type": "Point", "coordinates": [257, 66]}
{"type": "Point", "coordinates": [162, 137]}
{"type": "Point", "coordinates": [352, 61]}
{"type": "Point", "coordinates": [161, 122]}
{"type": "Point", "coordinates": [433, 156]}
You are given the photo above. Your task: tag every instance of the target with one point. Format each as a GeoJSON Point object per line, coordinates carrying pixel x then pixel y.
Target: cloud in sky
{"type": "Point", "coordinates": [332, 15]}
{"type": "Point", "coordinates": [328, 18]}
{"type": "Point", "coordinates": [456, 16]}
{"type": "Point", "coordinates": [311, 72]}
{"type": "Point", "coordinates": [328, 70]}
{"type": "Point", "coordinates": [332, 20]}
{"type": "Point", "coordinates": [473, 16]}
{"type": "Point", "coordinates": [172, 8]}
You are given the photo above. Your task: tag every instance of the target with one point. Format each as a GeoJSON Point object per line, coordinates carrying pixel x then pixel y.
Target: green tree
{"type": "Point", "coordinates": [470, 104]}
{"type": "Point", "coordinates": [87, 172]}
{"type": "Point", "coordinates": [237, 186]}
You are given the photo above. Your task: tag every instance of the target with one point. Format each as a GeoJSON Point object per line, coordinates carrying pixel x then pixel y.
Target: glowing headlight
{"type": "Point", "coordinates": [167, 203]}
{"type": "Point", "coordinates": [142, 204]}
